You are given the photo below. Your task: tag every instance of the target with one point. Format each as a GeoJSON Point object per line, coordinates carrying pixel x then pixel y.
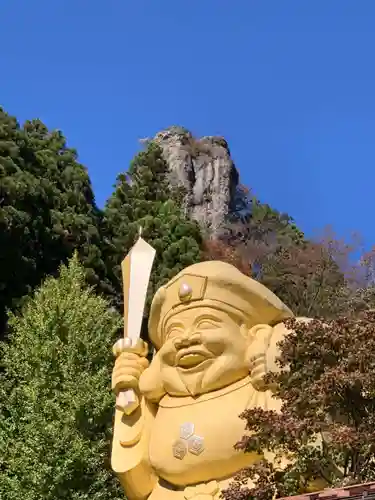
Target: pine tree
{"type": "Point", "coordinates": [56, 406]}
{"type": "Point", "coordinates": [47, 210]}
{"type": "Point", "coordinates": [145, 198]}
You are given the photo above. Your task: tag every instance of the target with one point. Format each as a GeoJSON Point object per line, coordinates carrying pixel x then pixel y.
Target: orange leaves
{"type": "Point", "coordinates": [215, 249]}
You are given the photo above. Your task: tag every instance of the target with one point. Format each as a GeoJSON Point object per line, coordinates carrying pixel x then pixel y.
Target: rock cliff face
{"type": "Point", "coordinates": [205, 169]}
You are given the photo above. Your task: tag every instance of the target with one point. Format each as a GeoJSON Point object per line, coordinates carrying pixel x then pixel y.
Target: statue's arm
{"type": "Point", "coordinates": [130, 451]}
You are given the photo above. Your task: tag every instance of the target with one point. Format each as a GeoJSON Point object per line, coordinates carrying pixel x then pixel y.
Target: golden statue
{"type": "Point", "coordinates": [215, 332]}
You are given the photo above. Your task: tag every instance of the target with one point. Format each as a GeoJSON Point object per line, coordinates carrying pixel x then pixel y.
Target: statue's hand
{"type": "Point", "coordinates": [130, 364]}
{"type": "Point", "coordinates": [207, 491]}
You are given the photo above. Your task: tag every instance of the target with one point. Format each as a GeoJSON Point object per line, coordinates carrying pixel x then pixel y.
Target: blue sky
{"type": "Point", "coordinates": [289, 83]}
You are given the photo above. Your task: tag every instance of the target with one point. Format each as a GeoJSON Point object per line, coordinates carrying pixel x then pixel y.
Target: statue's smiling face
{"type": "Point", "coordinates": [204, 349]}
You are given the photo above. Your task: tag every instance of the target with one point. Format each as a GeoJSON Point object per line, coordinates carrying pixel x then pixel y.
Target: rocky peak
{"type": "Point", "coordinates": [205, 169]}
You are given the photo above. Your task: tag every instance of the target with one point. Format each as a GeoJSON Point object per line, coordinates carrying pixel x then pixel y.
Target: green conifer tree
{"type": "Point", "coordinates": [56, 406]}
{"type": "Point", "coordinates": [47, 210]}
{"type": "Point", "coordinates": [144, 197]}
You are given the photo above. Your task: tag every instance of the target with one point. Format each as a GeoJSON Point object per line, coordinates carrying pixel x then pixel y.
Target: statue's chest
{"type": "Point", "coordinates": [195, 442]}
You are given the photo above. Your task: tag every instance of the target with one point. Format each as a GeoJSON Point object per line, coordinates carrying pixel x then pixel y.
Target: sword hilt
{"type": "Point", "coordinates": [127, 400]}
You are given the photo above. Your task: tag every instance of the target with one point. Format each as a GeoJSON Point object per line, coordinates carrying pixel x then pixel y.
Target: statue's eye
{"type": "Point", "coordinates": [207, 325]}
{"type": "Point", "coordinates": [174, 332]}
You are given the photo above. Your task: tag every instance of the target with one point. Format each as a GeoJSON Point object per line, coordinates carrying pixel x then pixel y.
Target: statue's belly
{"type": "Point", "coordinates": [195, 443]}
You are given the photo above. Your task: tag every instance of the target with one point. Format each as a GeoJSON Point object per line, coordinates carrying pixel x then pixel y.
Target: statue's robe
{"type": "Point", "coordinates": [189, 442]}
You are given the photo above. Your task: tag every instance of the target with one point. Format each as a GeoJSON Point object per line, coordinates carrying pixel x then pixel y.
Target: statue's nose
{"type": "Point", "coordinates": [187, 341]}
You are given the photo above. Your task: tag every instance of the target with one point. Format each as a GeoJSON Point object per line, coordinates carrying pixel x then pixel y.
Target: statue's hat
{"type": "Point", "coordinates": [218, 285]}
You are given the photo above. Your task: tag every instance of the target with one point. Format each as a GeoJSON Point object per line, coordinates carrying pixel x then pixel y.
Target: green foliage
{"type": "Point", "coordinates": [47, 210]}
{"type": "Point", "coordinates": [56, 405]}
{"type": "Point", "coordinates": [250, 218]}
{"type": "Point", "coordinates": [281, 226]}
{"type": "Point", "coordinates": [145, 198]}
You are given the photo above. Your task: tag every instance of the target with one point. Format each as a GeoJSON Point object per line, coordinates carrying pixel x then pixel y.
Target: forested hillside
{"type": "Point", "coordinates": [48, 210]}
{"type": "Point", "coordinates": [60, 313]}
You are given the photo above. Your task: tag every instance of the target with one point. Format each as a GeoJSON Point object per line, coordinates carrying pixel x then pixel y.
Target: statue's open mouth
{"type": "Point", "coordinates": [191, 357]}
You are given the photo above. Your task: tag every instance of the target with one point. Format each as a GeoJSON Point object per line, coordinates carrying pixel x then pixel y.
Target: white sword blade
{"type": "Point", "coordinates": [142, 256]}
{"type": "Point", "coordinates": [136, 270]}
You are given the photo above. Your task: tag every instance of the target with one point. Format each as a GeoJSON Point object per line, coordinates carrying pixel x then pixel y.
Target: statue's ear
{"type": "Point", "coordinates": [258, 343]}
{"type": "Point", "coordinates": [264, 351]}
{"type": "Point", "coordinates": [279, 332]}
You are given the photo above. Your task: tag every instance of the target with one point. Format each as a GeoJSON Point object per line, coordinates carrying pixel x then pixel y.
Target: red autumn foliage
{"type": "Point", "coordinates": [314, 278]}
{"type": "Point", "coordinates": [215, 249]}
{"type": "Point", "coordinates": [327, 385]}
